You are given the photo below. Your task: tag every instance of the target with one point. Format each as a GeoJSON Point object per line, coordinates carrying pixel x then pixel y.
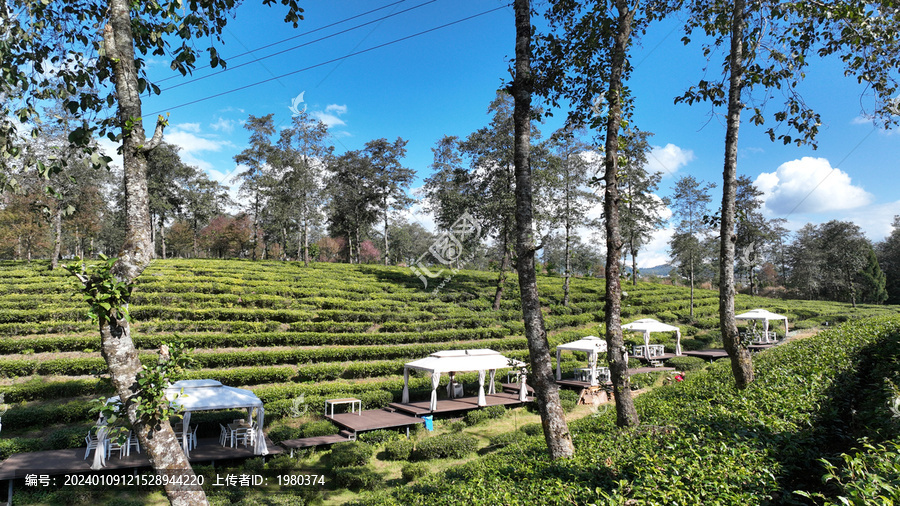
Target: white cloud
{"type": "Point", "coordinates": [668, 159]}
{"type": "Point", "coordinates": [186, 136]}
{"type": "Point", "coordinates": [188, 127]}
{"type": "Point", "coordinates": [810, 185]}
{"type": "Point", "coordinates": [656, 252]}
{"type": "Point", "coordinates": [330, 115]}
{"type": "Point", "coordinates": [336, 109]}
{"type": "Point", "coordinates": [223, 125]}
{"type": "Point", "coordinates": [875, 220]}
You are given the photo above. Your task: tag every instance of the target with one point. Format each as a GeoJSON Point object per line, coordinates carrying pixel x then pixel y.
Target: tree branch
{"type": "Point", "coordinates": [161, 124]}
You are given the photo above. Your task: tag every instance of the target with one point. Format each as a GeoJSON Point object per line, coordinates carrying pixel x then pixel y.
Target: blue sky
{"type": "Point", "coordinates": [441, 82]}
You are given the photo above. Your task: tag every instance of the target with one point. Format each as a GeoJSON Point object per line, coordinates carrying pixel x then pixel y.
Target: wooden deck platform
{"type": "Point", "coordinates": [713, 354]}
{"type": "Point", "coordinates": [664, 356]}
{"type": "Point", "coordinates": [313, 442]}
{"type": "Point", "coordinates": [56, 462]}
{"type": "Point", "coordinates": [374, 419]}
{"type": "Point", "coordinates": [460, 405]}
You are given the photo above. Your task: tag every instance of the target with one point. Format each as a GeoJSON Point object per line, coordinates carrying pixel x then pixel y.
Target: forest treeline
{"type": "Point", "coordinates": [300, 201]}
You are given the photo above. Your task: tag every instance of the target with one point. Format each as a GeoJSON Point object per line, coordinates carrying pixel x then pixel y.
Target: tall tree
{"type": "Point", "coordinates": [872, 281]}
{"type": "Point", "coordinates": [391, 180]}
{"type": "Point", "coordinates": [352, 209]}
{"type": "Point", "coordinates": [41, 36]}
{"type": "Point", "coordinates": [564, 189]}
{"type": "Point", "coordinates": [255, 179]}
{"type": "Point", "coordinates": [490, 150]}
{"type": "Point", "coordinates": [204, 199]}
{"type": "Point", "coordinates": [641, 213]}
{"type": "Point", "coordinates": [689, 207]}
{"type": "Point", "coordinates": [889, 259]}
{"type": "Point", "coordinates": [585, 59]}
{"type": "Point", "coordinates": [553, 419]}
{"type": "Point", "coordinates": [769, 46]}
{"type": "Point", "coordinates": [846, 252]}
{"type": "Point", "coordinates": [167, 177]}
{"type": "Point", "coordinates": [305, 151]}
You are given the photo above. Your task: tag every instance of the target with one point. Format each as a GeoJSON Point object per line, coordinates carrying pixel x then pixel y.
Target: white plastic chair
{"type": "Point", "coordinates": [193, 436]}
{"type": "Point", "coordinates": [244, 436]}
{"type": "Point", "coordinates": [112, 444]}
{"type": "Point", "coordinates": [224, 435]}
{"type": "Point", "coordinates": [92, 443]}
{"type": "Point", "coordinates": [133, 442]}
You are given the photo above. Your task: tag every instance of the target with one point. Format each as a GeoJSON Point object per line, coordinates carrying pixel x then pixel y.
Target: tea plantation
{"type": "Point", "coordinates": [331, 330]}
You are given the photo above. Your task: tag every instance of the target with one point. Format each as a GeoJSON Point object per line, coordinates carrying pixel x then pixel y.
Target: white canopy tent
{"type": "Point", "coordinates": [765, 316]}
{"type": "Point", "coordinates": [452, 361]}
{"type": "Point", "coordinates": [648, 325]}
{"type": "Point", "coordinates": [209, 395]}
{"type": "Point", "coordinates": [592, 345]}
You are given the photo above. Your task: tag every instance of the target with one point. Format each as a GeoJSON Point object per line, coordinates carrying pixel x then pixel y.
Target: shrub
{"type": "Point", "coordinates": [412, 471]}
{"type": "Point", "coordinates": [318, 428]}
{"type": "Point", "coordinates": [378, 437]}
{"type": "Point", "coordinates": [356, 477]}
{"type": "Point", "coordinates": [284, 433]}
{"type": "Point", "coordinates": [568, 405]}
{"type": "Point", "coordinates": [456, 426]}
{"type": "Point", "coordinates": [507, 438]}
{"type": "Point", "coordinates": [686, 363]}
{"type": "Point", "coordinates": [446, 446]}
{"type": "Point", "coordinates": [351, 453]}
{"type": "Point", "coordinates": [476, 417]}
{"type": "Point", "coordinates": [532, 429]}
{"type": "Point", "coordinates": [69, 437]}
{"type": "Point", "coordinates": [399, 449]}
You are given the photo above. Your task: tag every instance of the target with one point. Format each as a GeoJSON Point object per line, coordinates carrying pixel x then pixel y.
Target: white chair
{"type": "Point", "coordinates": [133, 442]}
{"type": "Point", "coordinates": [112, 444]}
{"type": "Point", "coordinates": [243, 436]}
{"type": "Point", "coordinates": [92, 443]}
{"type": "Point", "coordinates": [224, 435]}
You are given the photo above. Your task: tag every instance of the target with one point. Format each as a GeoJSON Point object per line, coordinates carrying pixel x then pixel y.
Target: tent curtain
{"type": "Point", "coordinates": [481, 400]}
{"type": "Point", "coordinates": [492, 389]}
{"type": "Point", "coordinates": [100, 451]}
{"type": "Point", "coordinates": [405, 398]}
{"type": "Point", "coordinates": [678, 342]}
{"type": "Point", "coordinates": [186, 434]}
{"type": "Point", "coordinates": [259, 441]}
{"type": "Point", "coordinates": [435, 381]}
{"type": "Point", "coordinates": [558, 370]}
{"type": "Point", "coordinates": [592, 362]}
{"type": "Point", "coordinates": [523, 389]}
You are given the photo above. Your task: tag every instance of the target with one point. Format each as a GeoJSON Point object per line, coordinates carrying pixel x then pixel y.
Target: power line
{"type": "Point", "coordinates": [255, 60]}
{"type": "Point", "coordinates": [209, 97]}
{"type": "Point", "coordinates": [302, 34]}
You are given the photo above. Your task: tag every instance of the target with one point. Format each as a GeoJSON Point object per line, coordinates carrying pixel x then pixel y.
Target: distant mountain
{"type": "Point", "coordinates": [659, 270]}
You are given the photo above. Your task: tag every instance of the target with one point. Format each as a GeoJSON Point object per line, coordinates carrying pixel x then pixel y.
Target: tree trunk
{"type": "Point", "coordinates": [385, 234]}
{"type": "Point", "coordinates": [162, 237]}
{"type": "Point", "coordinates": [501, 278]}
{"type": "Point", "coordinates": [633, 263]}
{"type": "Point", "coordinates": [306, 243]}
{"type": "Point", "coordinates": [116, 344]}
{"type": "Point", "coordinates": [741, 364]}
{"type": "Point", "coordinates": [556, 431]}
{"type": "Point", "coordinates": [568, 272]}
{"type": "Point", "coordinates": [57, 236]}
{"type": "Point", "coordinates": [626, 414]}
{"type": "Point", "coordinates": [691, 274]}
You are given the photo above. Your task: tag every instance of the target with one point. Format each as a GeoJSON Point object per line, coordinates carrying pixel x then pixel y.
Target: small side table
{"type": "Point", "coordinates": [355, 405]}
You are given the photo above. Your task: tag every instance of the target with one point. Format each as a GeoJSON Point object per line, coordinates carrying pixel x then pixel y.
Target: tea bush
{"type": "Point", "coordinates": [445, 446]}
{"type": "Point", "coordinates": [351, 453]}
{"type": "Point", "coordinates": [399, 449]}
{"type": "Point", "coordinates": [412, 471]}
{"type": "Point", "coordinates": [357, 478]}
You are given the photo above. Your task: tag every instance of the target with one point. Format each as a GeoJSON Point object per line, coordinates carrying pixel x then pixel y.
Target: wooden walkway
{"type": "Point", "coordinates": [460, 405]}
{"type": "Point", "coordinates": [56, 462]}
{"type": "Point", "coordinates": [313, 442]}
{"type": "Point", "coordinates": [374, 419]}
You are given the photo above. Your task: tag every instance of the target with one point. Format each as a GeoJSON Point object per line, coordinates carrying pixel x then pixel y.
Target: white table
{"type": "Point", "coordinates": [355, 405]}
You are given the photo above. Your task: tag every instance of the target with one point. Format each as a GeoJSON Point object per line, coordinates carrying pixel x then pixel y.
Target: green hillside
{"type": "Point", "coordinates": [284, 330]}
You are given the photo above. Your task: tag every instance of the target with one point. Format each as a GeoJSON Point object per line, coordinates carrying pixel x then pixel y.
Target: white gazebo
{"type": "Point", "coordinates": [209, 395]}
{"type": "Point", "coordinates": [452, 361]}
{"type": "Point", "coordinates": [764, 316]}
{"type": "Point", "coordinates": [648, 325]}
{"type": "Point", "coordinates": [592, 345]}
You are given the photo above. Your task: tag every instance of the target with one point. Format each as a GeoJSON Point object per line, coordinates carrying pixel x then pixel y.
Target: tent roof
{"type": "Point", "coordinates": [206, 395]}
{"type": "Point", "coordinates": [649, 325]}
{"type": "Point", "coordinates": [759, 314]}
{"type": "Point", "coordinates": [589, 344]}
{"type": "Point", "coordinates": [463, 360]}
